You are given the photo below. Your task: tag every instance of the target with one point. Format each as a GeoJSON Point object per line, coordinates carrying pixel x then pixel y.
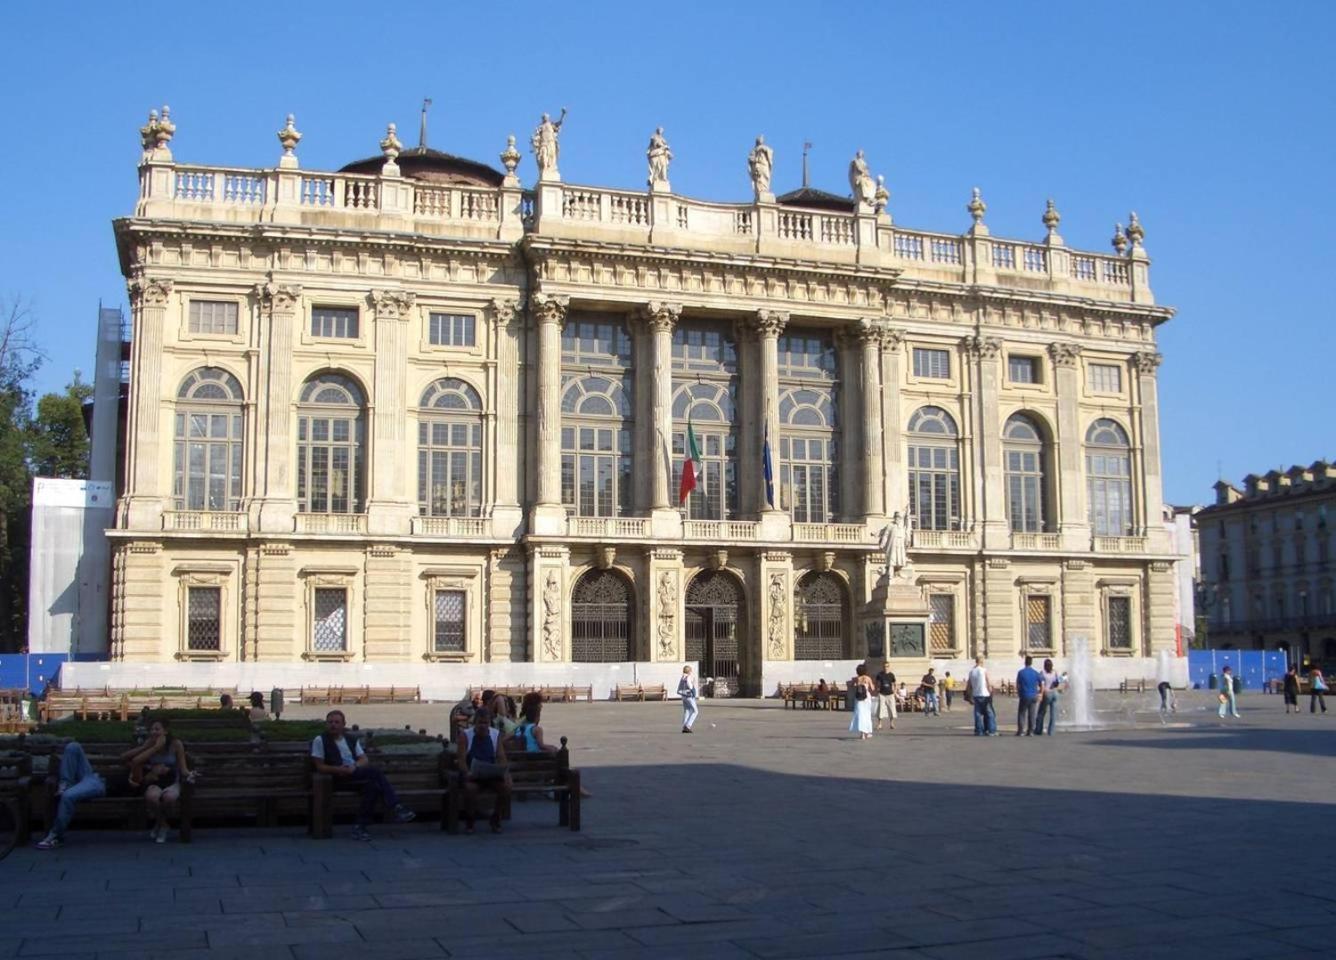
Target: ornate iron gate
{"type": "Point", "coordinates": [601, 618]}
{"type": "Point", "coordinates": [821, 624]}
{"type": "Point", "coordinates": [714, 629]}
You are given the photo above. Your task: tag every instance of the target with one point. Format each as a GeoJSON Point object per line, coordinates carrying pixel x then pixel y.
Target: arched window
{"type": "Point", "coordinates": [705, 368]}
{"type": "Point", "coordinates": [209, 441]}
{"type": "Point", "coordinates": [596, 438]}
{"type": "Point", "coordinates": [934, 470]}
{"type": "Point", "coordinates": [1025, 456]}
{"type": "Point", "coordinates": [601, 618]}
{"type": "Point", "coordinates": [809, 454]}
{"type": "Point", "coordinates": [1109, 479]}
{"type": "Point", "coordinates": [450, 450]}
{"type": "Point", "coordinates": [331, 441]}
{"type": "Point", "coordinates": [821, 618]}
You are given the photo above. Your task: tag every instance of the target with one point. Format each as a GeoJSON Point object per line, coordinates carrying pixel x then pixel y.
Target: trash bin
{"type": "Point", "coordinates": [1212, 682]}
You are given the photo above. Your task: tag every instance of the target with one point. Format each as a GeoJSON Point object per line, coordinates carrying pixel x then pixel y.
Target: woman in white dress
{"type": "Point", "coordinates": [863, 691]}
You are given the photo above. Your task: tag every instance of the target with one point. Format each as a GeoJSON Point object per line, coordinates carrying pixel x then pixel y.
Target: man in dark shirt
{"type": "Point", "coordinates": [885, 697]}
{"type": "Point", "coordinates": [1029, 685]}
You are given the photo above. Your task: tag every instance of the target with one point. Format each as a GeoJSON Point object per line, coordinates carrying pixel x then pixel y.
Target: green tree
{"type": "Point", "coordinates": [58, 444]}
{"type": "Point", "coordinates": [19, 360]}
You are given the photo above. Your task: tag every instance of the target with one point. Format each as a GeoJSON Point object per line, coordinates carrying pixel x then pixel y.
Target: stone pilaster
{"type": "Point", "coordinates": [893, 479]}
{"type": "Point", "coordinates": [660, 319]}
{"type": "Point", "coordinates": [507, 517]}
{"type": "Point", "coordinates": [1072, 523]}
{"type": "Point", "coordinates": [1080, 605]}
{"type": "Point", "coordinates": [506, 634]}
{"type": "Point", "coordinates": [549, 517]}
{"type": "Point", "coordinates": [851, 417]}
{"type": "Point", "coordinates": [387, 603]}
{"type": "Point", "coordinates": [389, 509]}
{"type": "Point", "coordinates": [250, 592]}
{"type": "Point", "coordinates": [276, 502]}
{"type": "Point", "coordinates": [141, 508]}
{"type": "Point", "coordinates": [985, 354]}
{"type": "Point", "coordinates": [776, 605]}
{"type": "Point", "coordinates": [549, 587]}
{"type": "Point", "coordinates": [769, 324]}
{"type": "Point", "coordinates": [278, 636]}
{"type": "Point", "coordinates": [143, 591]}
{"type": "Point", "coordinates": [1158, 627]}
{"type": "Point", "coordinates": [999, 613]}
{"type": "Point", "coordinates": [1147, 437]}
{"type": "Point", "coordinates": [750, 413]}
{"type": "Point", "coordinates": [668, 591]}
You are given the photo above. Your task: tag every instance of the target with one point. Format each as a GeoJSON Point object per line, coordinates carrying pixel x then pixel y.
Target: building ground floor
{"type": "Point", "coordinates": [749, 615]}
{"type": "Point", "coordinates": [1306, 641]}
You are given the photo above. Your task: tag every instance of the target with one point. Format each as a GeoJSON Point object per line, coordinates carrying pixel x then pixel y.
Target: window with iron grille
{"type": "Point", "coordinates": [329, 625]}
{"type": "Point", "coordinates": [1104, 378]}
{"type": "Point", "coordinates": [452, 329]}
{"type": "Point", "coordinates": [335, 322]}
{"type": "Point", "coordinates": [449, 609]}
{"type": "Point", "coordinates": [1038, 635]}
{"type": "Point", "coordinates": [942, 623]}
{"type": "Point", "coordinates": [204, 612]}
{"type": "Point", "coordinates": [1023, 369]}
{"type": "Point", "coordinates": [1120, 623]}
{"type": "Point", "coordinates": [932, 363]}
{"type": "Point", "coordinates": [213, 316]}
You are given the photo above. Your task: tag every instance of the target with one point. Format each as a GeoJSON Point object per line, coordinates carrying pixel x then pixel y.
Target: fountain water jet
{"type": "Point", "coordinates": [1080, 677]}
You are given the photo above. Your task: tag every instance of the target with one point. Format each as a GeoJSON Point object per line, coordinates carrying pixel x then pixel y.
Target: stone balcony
{"type": "Point", "coordinates": [286, 195]}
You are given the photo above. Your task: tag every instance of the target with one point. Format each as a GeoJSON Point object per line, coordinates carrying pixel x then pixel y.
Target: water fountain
{"type": "Point", "coordinates": [1080, 713]}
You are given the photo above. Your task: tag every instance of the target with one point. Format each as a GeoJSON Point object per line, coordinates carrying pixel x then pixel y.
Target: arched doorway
{"type": "Point", "coordinates": [715, 627]}
{"type": "Point", "coordinates": [821, 618]}
{"type": "Point", "coordinates": [601, 610]}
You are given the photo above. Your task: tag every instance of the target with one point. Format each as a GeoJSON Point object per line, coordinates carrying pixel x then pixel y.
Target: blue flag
{"type": "Point", "coordinates": [769, 469]}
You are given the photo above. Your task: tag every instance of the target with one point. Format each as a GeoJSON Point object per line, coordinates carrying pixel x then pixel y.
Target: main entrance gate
{"type": "Point", "coordinates": [715, 628]}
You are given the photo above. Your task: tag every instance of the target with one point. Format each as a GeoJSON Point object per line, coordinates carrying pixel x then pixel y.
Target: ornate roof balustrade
{"type": "Point", "coordinates": [392, 202]}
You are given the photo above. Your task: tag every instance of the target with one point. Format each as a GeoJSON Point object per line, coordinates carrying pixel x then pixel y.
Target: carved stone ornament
{"type": "Point", "coordinates": [157, 133]}
{"type": "Point", "coordinates": [604, 556]}
{"type": "Point", "coordinates": [661, 317]}
{"type": "Point", "coordinates": [976, 207]}
{"type": "Point", "coordinates": [1051, 218]}
{"type": "Point", "coordinates": [892, 338]}
{"type": "Point", "coordinates": [545, 147]}
{"type": "Point", "coordinates": [775, 628]}
{"type": "Point", "coordinates": [149, 292]}
{"type": "Point", "coordinates": [1147, 362]}
{"type": "Point", "coordinates": [1135, 232]}
{"type": "Point", "coordinates": [769, 323]}
{"type": "Point", "coordinates": [717, 559]}
{"type": "Point", "coordinates": [1119, 240]}
{"type": "Point", "coordinates": [552, 616]}
{"type": "Point", "coordinates": [982, 348]}
{"type": "Point", "coordinates": [998, 563]}
{"type": "Point", "coordinates": [549, 308]}
{"type": "Point", "coordinates": [1064, 354]}
{"type": "Point", "coordinates": [658, 155]}
{"type": "Point", "coordinates": [507, 312]}
{"type": "Point", "coordinates": [391, 146]}
{"type": "Point", "coordinates": [1160, 566]}
{"type": "Point", "coordinates": [866, 330]}
{"type": "Point", "coordinates": [882, 196]}
{"type": "Point", "coordinates": [277, 297]}
{"type": "Point", "coordinates": [510, 157]}
{"type": "Point", "coordinates": [393, 304]}
{"type": "Point", "coordinates": [760, 167]}
{"type": "Point", "coordinates": [166, 130]}
{"type": "Point", "coordinates": [860, 181]}
{"type": "Point", "coordinates": [289, 137]}
{"type": "Point", "coordinates": [667, 613]}
{"type": "Point", "coordinates": [826, 561]}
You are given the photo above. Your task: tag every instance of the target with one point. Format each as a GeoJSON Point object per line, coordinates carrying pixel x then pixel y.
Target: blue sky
{"type": "Point", "coordinates": [1212, 120]}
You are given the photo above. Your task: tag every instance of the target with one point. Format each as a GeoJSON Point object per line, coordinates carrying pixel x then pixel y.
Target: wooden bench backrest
{"type": "Point", "coordinates": [539, 769]}
{"type": "Point", "coordinates": [255, 771]}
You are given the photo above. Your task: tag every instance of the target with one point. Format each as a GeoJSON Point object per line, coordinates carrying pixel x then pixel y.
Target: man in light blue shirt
{"type": "Point", "coordinates": [1029, 685]}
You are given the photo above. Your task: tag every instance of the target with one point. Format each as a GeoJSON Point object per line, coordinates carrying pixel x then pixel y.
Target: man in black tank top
{"type": "Point", "coordinates": [342, 757]}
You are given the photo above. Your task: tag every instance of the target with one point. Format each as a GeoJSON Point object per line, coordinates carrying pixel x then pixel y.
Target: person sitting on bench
{"type": "Point", "coordinates": [342, 757]}
{"type": "Point", "coordinates": [157, 767]}
{"type": "Point", "coordinates": [78, 781]}
{"type": "Point", "coordinates": [482, 766]}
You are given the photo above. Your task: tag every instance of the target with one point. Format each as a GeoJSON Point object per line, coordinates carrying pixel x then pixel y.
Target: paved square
{"type": "Point", "coordinates": [767, 833]}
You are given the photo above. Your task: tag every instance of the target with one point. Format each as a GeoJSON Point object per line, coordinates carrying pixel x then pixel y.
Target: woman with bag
{"type": "Point", "coordinates": [1319, 687]}
{"type": "Point", "coordinates": [686, 689]}
{"type": "Point", "coordinates": [863, 691]}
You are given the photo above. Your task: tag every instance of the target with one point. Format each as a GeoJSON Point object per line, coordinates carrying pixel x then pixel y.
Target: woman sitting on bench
{"type": "Point", "coordinates": [157, 767]}
{"type": "Point", "coordinates": [482, 766]}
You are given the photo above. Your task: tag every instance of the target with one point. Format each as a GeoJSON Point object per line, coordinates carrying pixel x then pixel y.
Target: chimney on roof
{"type": "Point", "coordinates": [422, 128]}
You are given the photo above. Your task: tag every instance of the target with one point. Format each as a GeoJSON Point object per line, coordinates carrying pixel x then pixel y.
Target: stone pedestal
{"type": "Point", "coordinates": [894, 623]}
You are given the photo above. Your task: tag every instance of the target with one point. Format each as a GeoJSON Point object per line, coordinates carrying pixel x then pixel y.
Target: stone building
{"type": "Point", "coordinates": [414, 413]}
{"type": "Point", "coordinates": [1266, 563]}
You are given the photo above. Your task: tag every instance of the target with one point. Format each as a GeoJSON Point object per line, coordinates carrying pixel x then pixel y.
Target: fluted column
{"type": "Point", "coordinates": [143, 505]}
{"type": "Point", "coordinates": [388, 509]}
{"type": "Point", "coordinates": [506, 461]}
{"type": "Point", "coordinates": [870, 335]}
{"type": "Point", "coordinates": [661, 318]}
{"type": "Point", "coordinates": [1072, 523]}
{"type": "Point", "coordinates": [549, 313]}
{"type": "Point", "coordinates": [769, 324]}
{"type": "Point", "coordinates": [892, 480]}
{"type": "Point", "coordinates": [851, 420]}
{"type": "Point", "coordinates": [272, 431]}
{"type": "Point", "coordinates": [984, 354]}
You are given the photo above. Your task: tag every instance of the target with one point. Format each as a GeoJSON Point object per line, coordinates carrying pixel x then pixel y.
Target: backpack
{"type": "Point", "coordinates": [860, 691]}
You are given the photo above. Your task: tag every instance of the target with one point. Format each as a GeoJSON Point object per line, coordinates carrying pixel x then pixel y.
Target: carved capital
{"type": "Point", "coordinates": [148, 293]}
{"type": "Point", "coordinates": [865, 331]}
{"type": "Point", "coordinates": [392, 304]}
{"type": "Point", "coordinates": [892, 338]}
{"type": "Point", "coordinates": [549, 308]}
{"type": "Point", "coordinates": [1147, 362]}
{"type": "Point", "coordinates": [507, 313]}
{"type": "Point", "coordinates": [769, 323]}
{"type": "Point", "coordinates": [277, 297]}
{"type": "Point", "coordinates": [661, 317]}
{"type": "Point", "coordinates": [1064, 354]}
{"type": "Point", "coordinates": [982, 348]}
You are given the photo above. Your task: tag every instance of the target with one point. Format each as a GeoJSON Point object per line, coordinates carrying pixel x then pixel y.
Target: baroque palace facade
{"type": "Point", "coordinates": [412, 412]}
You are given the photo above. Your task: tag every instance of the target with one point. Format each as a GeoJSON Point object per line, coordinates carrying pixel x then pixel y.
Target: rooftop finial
{"type": "Point", "coordinates": [289, 137]}
{"type": "Point", "coordinates": [976, 206]}
{"type": "Point", "coordinates": [422, 128]}
{"type": "Point", "coordinates": [1135, 232]}
{"type": "Point", "coordinates": [807, 146]}
{"type": "Point", "coordinates": [1119, 240]}
{"type": "Point", "coordinates": [510, 159]}
{"type": "Point", "coordinates": [1051, 218]}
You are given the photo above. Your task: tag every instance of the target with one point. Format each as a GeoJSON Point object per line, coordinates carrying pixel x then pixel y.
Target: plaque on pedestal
{"type": "Point", "coordinates": [895, 620]}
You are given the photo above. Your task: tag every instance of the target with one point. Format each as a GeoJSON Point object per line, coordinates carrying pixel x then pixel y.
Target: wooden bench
{"type": "Point", "coordinates": [126, 811]}
{"type": "Point", "coordinates": [1132, 684]}
{"type": "Point", "coordinates": [531, 774]}
{"type": "Point", "coordinates": [567, 694]}
{"type": "Point", "coordinates": [83, 705]}
{"type": "Point", "coordinates": [418, 779]}
{"type": "Point", "coordinates": [640, 692]}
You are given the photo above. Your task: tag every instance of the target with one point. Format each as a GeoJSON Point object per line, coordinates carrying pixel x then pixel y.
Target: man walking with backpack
{"type": "Point", "coordinates": [885, 696]}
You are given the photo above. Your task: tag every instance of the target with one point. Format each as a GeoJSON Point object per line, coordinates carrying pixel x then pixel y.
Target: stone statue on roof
{"type": "Point", "coordinates": [659, 155]}
{"type": "Point", "coordinates": [860, 181]}
{"type": "Point", "coordinates": [761, 164]}
{"type": "Point", "coordinates": [545, 147]}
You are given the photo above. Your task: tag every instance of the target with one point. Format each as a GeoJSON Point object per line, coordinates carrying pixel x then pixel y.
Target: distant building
{"type": "Point", "coordinates": [1179, 521]}
{"type": "Point", "coordinates": [1266, 562]}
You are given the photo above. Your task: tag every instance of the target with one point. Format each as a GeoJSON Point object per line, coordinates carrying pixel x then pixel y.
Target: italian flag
{"type": "Point", "coordinates": [691, 467]}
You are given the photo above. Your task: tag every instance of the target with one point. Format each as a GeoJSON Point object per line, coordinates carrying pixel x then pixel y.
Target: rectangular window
{"type": "Point", "coordinates": [204, 628]}
{"type": "Point", "coordinates": [1023, 369]}
{"type": "Point", "coordinates": [1105, 378]}
{"type": "Point", "coordinates": [1120, 623]}
{"type": "Point", "coordinates": [932, 363]}
{"type": "Point", "coordinates": [329, 626]}
{"type": "Point", "coordinates": [1038, 635]}
{"type": "Point", "coordinates": [452, 329]}
{"type": "Point", "coordinates": [213, 316]}
{"type": "Point", "coordinates": [942, 626]}
{"type": "Point", "coordinates": [448, 606]}
{"type": "Point", "coordinates": [334, 322]}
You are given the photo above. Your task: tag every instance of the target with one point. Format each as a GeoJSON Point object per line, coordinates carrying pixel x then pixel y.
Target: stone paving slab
{"type": "Point", "coordinates": [767, 833]}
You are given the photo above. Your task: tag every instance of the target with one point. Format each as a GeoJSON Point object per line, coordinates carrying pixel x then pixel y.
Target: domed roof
{"type": "Point", "coordinates": [423, 163]}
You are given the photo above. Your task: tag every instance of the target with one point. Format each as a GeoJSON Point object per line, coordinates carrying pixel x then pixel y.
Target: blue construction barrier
{"type": "Point", "coordinates": [1256, 668]}
{"type": "Point", "coordinates": [30, 670]}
